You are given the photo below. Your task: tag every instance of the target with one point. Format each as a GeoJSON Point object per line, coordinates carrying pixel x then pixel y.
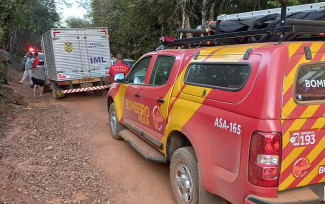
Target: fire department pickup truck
{"type": "Point", "coordinates": [242, 123]}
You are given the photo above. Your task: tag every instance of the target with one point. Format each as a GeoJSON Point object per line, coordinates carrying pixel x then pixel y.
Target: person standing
{"type": "Point", "coordinates": [28, 69]}
{"type": "Point", "coordinates": [38, 78]}
{"type": "Point", "coordinates": [36, 60]}
{"type": "Point", "coordinates": [119, 67]}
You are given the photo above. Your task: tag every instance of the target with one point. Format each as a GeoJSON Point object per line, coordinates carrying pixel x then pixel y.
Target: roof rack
{"type": "Point", "coordinates": [256, 14]}
{"type": "Point", "coordinates": [287, 26]}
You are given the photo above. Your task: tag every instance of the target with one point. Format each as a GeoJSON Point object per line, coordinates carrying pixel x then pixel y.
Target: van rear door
{"type": "Point", "coordinates": [303, 120]}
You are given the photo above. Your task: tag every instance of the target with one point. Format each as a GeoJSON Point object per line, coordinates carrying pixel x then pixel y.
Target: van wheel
{"type": "Point", "coordinates": [114, 124]}
{"type": "Point", "coordinates": [184, 176]}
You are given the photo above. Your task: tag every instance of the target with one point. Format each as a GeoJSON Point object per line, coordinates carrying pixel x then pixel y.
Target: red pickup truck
{"type": "Point", "coordinates": [238, 123]}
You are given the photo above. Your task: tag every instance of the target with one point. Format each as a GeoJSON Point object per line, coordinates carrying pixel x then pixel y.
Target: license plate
{"type": "Point", "coordinates": [85, 80]}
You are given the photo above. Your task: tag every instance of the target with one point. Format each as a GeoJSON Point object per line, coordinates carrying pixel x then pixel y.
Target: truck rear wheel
{"type": "Point", "coordinates": [114, 124]}
{"type": "Point", "coordinates": [184, 176]}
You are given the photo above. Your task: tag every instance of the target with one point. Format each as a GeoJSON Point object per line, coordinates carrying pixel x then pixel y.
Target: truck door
{"type": "Point", "coordinates": [156, 96]}
{"type": "Point", "coordinates": [303, 120]}
{"type": "Point", "coordinates": [98, 52]}
{"type": "Point", "coordinates": [84, 53]}
{"type": "Point", "coordinates": [134, 112]}
{"type": "Point", "coordinates": [67, 52]}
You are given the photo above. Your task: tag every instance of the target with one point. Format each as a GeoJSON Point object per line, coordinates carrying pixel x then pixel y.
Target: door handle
{"type": "Point", "coordinates": [160, 100]}
{"type": "Point", "coordinates": [137, 95]}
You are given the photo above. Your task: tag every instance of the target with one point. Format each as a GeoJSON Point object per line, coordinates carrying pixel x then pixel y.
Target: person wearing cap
{"type": "Point", "coordinates": [119, 67]}
{"type": "Point", "coordinates": [28, 69]}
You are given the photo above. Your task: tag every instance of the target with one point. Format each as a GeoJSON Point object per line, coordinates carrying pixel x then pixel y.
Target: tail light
{"type": "Point", "coordinates": [264, 159]}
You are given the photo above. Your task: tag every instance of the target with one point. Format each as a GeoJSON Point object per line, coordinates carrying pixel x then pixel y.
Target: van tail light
{"type": "Point", "coordinates": [264, 159]}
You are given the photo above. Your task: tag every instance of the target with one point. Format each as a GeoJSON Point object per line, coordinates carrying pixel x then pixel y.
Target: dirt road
{"type": "Point", "coordinates": [74, 159]}
{"type": "Point", "coordinates": [140, 181]}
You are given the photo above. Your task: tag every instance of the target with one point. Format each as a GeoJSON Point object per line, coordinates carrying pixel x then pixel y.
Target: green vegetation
{"type": "Point", "coordinates": [22, 22]}
{"type": "Point", "coordinates": [136, 26]}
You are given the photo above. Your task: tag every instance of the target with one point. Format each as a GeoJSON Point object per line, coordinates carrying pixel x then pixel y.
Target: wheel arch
{"type": "Point", "coordinates": [110, 100]}
{"type": "Point", "coordinates": [176, 140]}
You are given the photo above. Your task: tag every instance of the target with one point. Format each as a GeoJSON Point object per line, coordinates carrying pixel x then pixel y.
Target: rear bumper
{"type": "Point", "coordinates": [92, 88]}
{"type": "Point", "coordinates": [301, 195]}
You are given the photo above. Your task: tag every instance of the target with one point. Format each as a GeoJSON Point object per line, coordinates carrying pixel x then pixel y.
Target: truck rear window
{"type": "Point", "coordinates": [225, 76]}
{"type": "Point", "coordinates": [310, 83]}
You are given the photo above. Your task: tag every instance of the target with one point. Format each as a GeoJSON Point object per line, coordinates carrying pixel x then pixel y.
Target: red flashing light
{"type": "Point", "coordinates": [264, 159]}
{"type": "Point", "coordinates": [165, 39]}
{"type": "Point", "coordinates": [31, 49]}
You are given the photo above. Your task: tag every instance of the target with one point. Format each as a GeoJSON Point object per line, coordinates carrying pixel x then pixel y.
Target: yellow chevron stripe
{"type": "Point", "coordinates": [319, 123]}
{"type": "Point", "coordinates": [292, 48]}
{"type": "Point", "coordinates": [298, 123]}
{"type": "Point", "coordinates": [288, 81]}
{"type": "Point", "coordinates": [322, 180]}
{"type": "Point", "coordinates": [291, 157]}
{"type": "Point", "coordinates": [311, 175]}
{"type": "Point", "coordinates": [316, 150]}
{"type": "Point", "coordinates": [288, 108]}
{"type": "Point", "coordinates": [286, 183]}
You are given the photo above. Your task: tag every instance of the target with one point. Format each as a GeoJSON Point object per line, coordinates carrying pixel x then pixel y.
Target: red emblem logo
{"type": "Point", "coordinates": [300, 167]}
{"type": "Point", "coordinates": [157, 118]}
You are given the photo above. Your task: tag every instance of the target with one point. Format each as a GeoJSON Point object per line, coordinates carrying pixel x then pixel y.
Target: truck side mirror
{"type": "Point", "coordinates": [119, 78]}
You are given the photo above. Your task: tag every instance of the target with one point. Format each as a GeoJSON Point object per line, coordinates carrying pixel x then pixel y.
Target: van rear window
{"type": "Point", "coordinates": [225, 76]}
{"type": "Point", "coordinates": [310, 83]}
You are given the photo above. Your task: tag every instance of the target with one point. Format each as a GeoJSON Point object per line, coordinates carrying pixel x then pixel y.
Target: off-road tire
{"type": "Point", "coordinates": [119, 127]}
{"type": "Point", "coordinates": [187, 157]}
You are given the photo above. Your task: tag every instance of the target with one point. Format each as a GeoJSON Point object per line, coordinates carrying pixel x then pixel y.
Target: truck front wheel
{"type": "Point", "coordinates": [184, 176]}
{"type": "Point", "coordinates": [114, 124]}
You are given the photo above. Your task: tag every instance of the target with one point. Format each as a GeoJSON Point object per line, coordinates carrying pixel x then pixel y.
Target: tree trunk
{"type": "Point", "coordinates": [212, 11]}
{"type": "Point", "coordinates": [208, 10]}
{"type": "Point", "coordinates": [185, 19]}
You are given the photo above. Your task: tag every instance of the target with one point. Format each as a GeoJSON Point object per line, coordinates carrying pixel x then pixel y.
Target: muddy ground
{"type": "Point", "coordinates": [60, 151]}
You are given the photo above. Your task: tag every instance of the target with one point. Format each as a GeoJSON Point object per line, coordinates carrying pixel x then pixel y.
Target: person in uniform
{"type": "Point", "coordinates": [119, 67]}
{"type": "Point", "coordinates": [28, 69]}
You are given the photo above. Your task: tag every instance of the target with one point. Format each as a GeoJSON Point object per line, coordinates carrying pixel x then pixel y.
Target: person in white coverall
{"type": "Point", "coordinates": [28, 69]}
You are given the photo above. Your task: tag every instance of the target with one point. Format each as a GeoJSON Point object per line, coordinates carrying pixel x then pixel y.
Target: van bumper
{"type": "Point", "coordinates": [301, 195]}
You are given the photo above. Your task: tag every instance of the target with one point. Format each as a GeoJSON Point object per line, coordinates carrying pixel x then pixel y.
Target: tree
{"type": "Point", "coordinates": [75, 22]}
{"type": "Point", "coordinates": [23, 21]}
{"type": "Point", "coordinates": [136, 25]}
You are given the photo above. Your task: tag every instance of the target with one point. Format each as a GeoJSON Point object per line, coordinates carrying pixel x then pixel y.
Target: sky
{"type": "Point", "coordinates": [74, 10]}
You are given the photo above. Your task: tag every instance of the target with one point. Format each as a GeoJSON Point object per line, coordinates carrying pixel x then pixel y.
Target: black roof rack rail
{"type": "Point", "coordinates": [286, 26]}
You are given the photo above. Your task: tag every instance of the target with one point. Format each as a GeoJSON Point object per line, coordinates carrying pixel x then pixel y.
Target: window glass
{"type": "Point", "coordinates": [162, 70]}
{"type": "Point", "coordinates": [310, 83]}
{"type": "Point", "coordinates": [138, 72]}
{"type": "Point", "coordinates": [224, 76]}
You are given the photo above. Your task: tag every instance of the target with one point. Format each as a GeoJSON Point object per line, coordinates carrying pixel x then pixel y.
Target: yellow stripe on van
{"type": "Point", "coordinates": [292, 48]}
{"type": "Point", "coordinates": [291, 157]}
{"type": "Point", "coordinates": [288, 81]}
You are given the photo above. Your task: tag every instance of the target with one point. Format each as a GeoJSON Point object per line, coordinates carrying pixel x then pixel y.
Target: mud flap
{"type": "Point", "coordinates": [56, 90]}
{"type": "Point", "coordinates": [206, 197]}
